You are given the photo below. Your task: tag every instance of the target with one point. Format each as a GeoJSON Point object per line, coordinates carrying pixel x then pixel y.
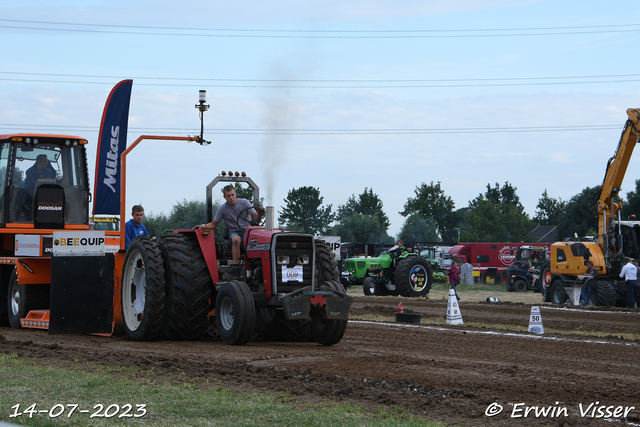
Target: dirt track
{"type": "Point", "coordinates": [447, 373]}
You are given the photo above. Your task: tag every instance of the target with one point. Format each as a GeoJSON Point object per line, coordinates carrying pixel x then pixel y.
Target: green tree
{"type": "Point", "coordinates": [358, 228]}
{"type": "Point", "coordinates": [424, 229]}
{"type": "Point", "coordinates": [303, 211]}
{"type": "Point", "coordinates": [632, 206]}
{"type": "Point", "coordinates": [497, 216]}
{"type": "Point", "coordinates": [183, 215]}
{"type": "Point", "coordinates": [367, 204]}
{"type": "Point", "coordinates": [246, 192]}
{"type": "Point", "coordinates": [581, 215]}
{"type": "Point", "coordinates": [431, 202]}
{"type": "Point", "coordinates": [549, 210]}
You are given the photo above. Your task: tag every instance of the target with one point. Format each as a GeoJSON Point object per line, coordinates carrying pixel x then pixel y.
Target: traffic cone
{"type": "Point", "coordinates": [454, 317]}
{"type": "Point", "coordinates": [535, 321]}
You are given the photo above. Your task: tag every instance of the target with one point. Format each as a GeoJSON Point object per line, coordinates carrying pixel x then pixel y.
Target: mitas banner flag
{"type": "Point", "coordinates": [112, 141]}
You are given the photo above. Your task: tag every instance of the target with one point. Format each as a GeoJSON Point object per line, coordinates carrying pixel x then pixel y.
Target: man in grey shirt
{"type": "Point", "coordinates": [230, 211]}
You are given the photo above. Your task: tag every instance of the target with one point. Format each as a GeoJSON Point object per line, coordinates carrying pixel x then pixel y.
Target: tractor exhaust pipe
{"type": "Point", "coordinates": [268, 222]}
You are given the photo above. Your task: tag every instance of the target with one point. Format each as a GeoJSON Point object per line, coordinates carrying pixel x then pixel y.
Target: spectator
{"type": "Point", "coordinates": [453, 277]}
{"type": "Point", "coordinates": [589, 286]}
{"type": "Point", "coordinates": [134, 227]}
{"type": "Point", "coordinates": [630, 274]}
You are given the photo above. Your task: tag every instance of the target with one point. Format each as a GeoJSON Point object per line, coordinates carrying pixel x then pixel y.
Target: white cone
{"type": "Point", "coordinates": [454, 317]}
{"type": "Point", "coordinates": [535, 321]}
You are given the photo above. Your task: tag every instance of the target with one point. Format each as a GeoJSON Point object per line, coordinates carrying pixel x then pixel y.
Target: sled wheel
{"type": "Point", "coordinates": [21, 299]}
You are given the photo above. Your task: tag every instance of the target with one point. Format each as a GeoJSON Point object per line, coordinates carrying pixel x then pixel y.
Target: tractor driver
{"type": "Point", "coordinates": [42, 169]}
{"type": "Point", "coordinates": [527, 272]}
{"type": "Point", "coordinates": [230, 211]}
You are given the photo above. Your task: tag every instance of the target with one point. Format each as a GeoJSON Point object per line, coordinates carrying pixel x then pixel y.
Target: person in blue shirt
{"type": "Point", "coordinates": [134, 227]}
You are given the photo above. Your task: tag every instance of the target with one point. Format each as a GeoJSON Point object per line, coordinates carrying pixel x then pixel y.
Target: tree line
{"type": "Point", "coordinates": [497, 215]}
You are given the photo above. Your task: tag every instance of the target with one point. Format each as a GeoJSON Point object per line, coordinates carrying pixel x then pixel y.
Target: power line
{"type": "Point", "coordinates": [319, 34]}
{"type": "Point", "coordinates": [372, 84]}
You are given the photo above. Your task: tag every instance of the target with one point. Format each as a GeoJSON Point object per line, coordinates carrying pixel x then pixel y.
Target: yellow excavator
{"type": "Point", "coordinates": [616, 242]}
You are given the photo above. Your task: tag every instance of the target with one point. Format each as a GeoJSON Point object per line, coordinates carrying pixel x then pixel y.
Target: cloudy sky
{"type": "Point", "coordinates": [338, 95]}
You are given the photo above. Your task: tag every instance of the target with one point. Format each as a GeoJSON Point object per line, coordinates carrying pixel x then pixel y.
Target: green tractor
{"type": "Point", "coordinates": [398, 271]}
{"type": "Point", "coordinates": [429, 253]}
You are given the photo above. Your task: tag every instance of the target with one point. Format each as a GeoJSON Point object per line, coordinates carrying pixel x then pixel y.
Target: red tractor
{"type": "Point", "coordinates": [175, 285]}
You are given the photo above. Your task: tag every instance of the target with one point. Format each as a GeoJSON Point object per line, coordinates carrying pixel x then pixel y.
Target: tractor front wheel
{"type": "Point", "coordinates": [369, 286]}
{"type": "Point", "coordinates": [235, 313]}
{"type": "Point", "coordinates": [327, 331]}
{"type": "Point", "coordinates": [143, 291]}
{"type": "Point", "coordinates": [520, 285]}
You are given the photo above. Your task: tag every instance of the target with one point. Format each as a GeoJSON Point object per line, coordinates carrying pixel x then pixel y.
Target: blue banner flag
{"type": "Point", "coordinates": [112, 141]}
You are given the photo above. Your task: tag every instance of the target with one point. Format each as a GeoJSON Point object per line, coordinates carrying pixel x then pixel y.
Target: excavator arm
{"type": "Point", "coordinates": [609, 237]}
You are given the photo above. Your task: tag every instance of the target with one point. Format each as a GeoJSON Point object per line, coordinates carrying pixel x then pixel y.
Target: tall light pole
{"type": "Point", "coordinates": [458, 234]}
{"type": "Point", "coordinates": [202, 107]}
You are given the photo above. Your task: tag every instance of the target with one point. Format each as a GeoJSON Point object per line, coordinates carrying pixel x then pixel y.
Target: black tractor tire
{"type": "Point", "coordinates": [188, 287]}
{"type": "Point", "coordinates": [21, 299]}
{"type": "Point", "coordinates": [143, 296]}
{"type": "Point", "coordinates": [327, 331]}
{"type": "Point", "coordinates": [235, 313]}
{"type": "Point", "coordinates": [545, 282]}
{"type": "Point", "coordinates": [510, 287]}
{"type": "Point", "coordinates": [327, 268]}
{"type": "Point", "coordinates": [413, 277]}
{"type": "Point", "coordinates": [369, 286]}
{"type": "Point", "coordinates": [605, 294]}
{"type": "Point", "coordinates": [557, 293]}
{"type": "Point", "coordinates": [272, 325]}
{"type": "Point", "coordinates": [520, 285]}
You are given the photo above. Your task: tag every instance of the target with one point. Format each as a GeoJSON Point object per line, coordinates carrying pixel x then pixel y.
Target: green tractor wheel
{"type": "Point", "coordinates": [369, 286]}
{"type": "Point", "coordinates": [413, 277]}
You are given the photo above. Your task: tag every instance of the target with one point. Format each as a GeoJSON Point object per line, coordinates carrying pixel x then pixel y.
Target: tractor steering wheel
{"type": "Point", "coordinates": [243, 220]}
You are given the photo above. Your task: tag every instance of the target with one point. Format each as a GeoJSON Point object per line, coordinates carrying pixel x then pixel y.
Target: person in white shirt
{"type": "Point", "coordinates": [630, 274]}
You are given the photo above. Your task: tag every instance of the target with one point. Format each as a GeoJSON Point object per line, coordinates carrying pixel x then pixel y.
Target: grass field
{"type": "Point", "coordinates": [57, 392]}
{"type": "Point", "coordinates": [474, 293]}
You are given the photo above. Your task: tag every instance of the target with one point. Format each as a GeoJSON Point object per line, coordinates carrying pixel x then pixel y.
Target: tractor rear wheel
{"type": "Point", "coordinates": [235, 313]}
{"type": "Point", "coordinates": [520, 285]}
{"type": "Point", "coordinates": [21, 299]}
{"type": "Point", "coordinates": [143, 291]}
{"type": "Point", "coordinates": [413, 277]}
{"type": "Point", "coordinates": [326, 264]}
{"type": "Point", "coordinates": [558, 295]}
{"type": "Point", "coordinates": [188, 287]}
{"type": "Point", "coordinates": [327, 331]}
{"type": "Point", "coordinates": [545, 282]}
{"type": "Point", "coordinates": [369, 286]}
{"type": "Point", "coordinates": [605, 294]}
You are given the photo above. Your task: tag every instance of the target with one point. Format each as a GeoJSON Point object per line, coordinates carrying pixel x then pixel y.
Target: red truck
{"type": "Point", "coordinates": [489, 260]}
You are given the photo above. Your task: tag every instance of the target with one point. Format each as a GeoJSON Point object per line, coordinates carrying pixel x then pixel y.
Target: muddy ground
{"type": "Point", "coordinates": [453, 374]}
